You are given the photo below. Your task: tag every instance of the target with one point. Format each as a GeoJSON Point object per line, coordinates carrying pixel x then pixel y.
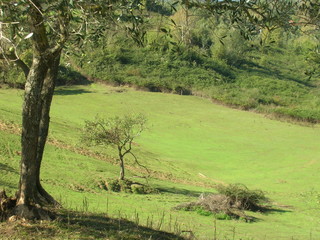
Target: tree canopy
{"type": "Point", "coordinates": [118, 132]}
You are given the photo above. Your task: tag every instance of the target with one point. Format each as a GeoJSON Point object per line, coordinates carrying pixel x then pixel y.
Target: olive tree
{"type": "Point", "coordinates": [46, 26]}
{"type": "Point", "coordinates": [117, 132]}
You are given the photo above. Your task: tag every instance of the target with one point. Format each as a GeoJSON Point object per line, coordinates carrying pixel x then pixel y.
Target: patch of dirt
{"type": "Point", "coordinates": [10, 127]}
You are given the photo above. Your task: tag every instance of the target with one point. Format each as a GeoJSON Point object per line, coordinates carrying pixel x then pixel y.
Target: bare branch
{"type": "Point", "coordinates": [139, 164]}
{"type": "Point", "coordinates": [11, 54]}
{"type": "Point", "coordinates": [35, 6]}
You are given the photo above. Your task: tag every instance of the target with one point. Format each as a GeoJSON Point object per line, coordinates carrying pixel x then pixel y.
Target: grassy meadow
{"type": "Point", "coordinates": [190, 145]}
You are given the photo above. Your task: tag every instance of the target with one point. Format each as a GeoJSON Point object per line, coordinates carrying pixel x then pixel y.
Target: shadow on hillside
{"type": "Point", "coordinates": [67, 76]}
{"type": "Point", "coordinates": [181, 191]}
{"type": "Point", "coordinates": [271, 210]}
{"type": "Point", "coordinates": [66, 92]}
{"type": "Point", "coordinates": [94, 226]}
{"type": "Point", "coordinates": [258, 69]}
{"type": "Point", "coordinates": [4, 185]}
{"type": "Point", "coordinates": [79, 225]}
{"type": "Point", "coordinates": [4, 167]}
{"type": "Point", "coordinates": [224, 71]}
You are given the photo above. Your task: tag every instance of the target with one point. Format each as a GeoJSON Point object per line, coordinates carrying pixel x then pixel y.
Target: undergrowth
{"type": "Point", "coordinates": [231, 202]}
{"type": "Point", "coordinates": [126, 186]}
{"type": "Point", "coordinates": [273, 83]}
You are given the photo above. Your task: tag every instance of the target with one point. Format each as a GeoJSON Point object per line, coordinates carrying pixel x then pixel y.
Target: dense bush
{"type": "Point", "coordinates": [274, 72]}
{"type": "Point", "coordinates": [14, 77]}
{"type": "Point", "coordinates": [241, 197]}
{"type": "Point", "coordinates": [230, 203]}
{"type": "Point", "coordinates": [126, 186]}
{"type": "Point", "coordinates": [67, 76]}
{"type": "Point", "coordinates": [11, 76]}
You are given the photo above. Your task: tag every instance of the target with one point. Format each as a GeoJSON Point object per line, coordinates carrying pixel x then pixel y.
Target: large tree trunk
{"type": "Point", "coordinates": [39, 90]}
{"type": "Point", "coordinates": [46, 99]}
{"type": "Point", "coordinates": [28, 196]}
{"type": "Point", "coordinates": [35, 122]}
{"type": "Point", "coordinates": [31, 115]}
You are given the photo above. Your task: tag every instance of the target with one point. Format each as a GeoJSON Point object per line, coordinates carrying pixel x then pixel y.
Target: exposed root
{"type": "Point", "coordinates": [46, 198]}
{"type": "Point", "coordinates": [31, 212]}
{"type": "Point", "coordinates": [10, 210]}
{"type": "Point", "coordinates": [6, 206]}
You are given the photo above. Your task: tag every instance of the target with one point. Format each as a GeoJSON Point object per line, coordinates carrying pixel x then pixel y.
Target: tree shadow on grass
{"type": "Point", "coordinates": [79, 225]}
{"type": "Point", "coordinates": [249, 66]}
{"type": "Point", "coordinates": [5, 185]}
{"type": "Point", "coordinates": [66, 92]}
{"type": "Point", "coordinates": [272, 210]}
{"type": "Point", "coordinates": [99, 226]}
{"type": "Point", "coordinates": [265, 211]}
{"type": "Point", "coordinates": [4, 167]}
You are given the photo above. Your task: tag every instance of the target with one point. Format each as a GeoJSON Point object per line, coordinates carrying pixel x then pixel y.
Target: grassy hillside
{"type": "Point", "coordinates": [190, 145]}
{"type": "Point", "coordinates": [275, 73]}
{"type": "Point", "coordinates": [268, 80]}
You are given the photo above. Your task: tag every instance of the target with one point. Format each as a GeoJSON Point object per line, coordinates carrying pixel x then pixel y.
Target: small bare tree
{"type": "Point", "coordinates": [118, 132]}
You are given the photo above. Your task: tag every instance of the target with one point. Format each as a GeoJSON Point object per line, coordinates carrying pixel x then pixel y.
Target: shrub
{"type": "Point", "coordinates": [222, 216]}
{"type": "Point", "coordinates": [127, 186]}
{"type": "Point", "coordinates": [67, 76]}
{"type": "Point", "coordinates": [230, 203]}
{"type": "Point", "coordinates": [241, 197]}
{"type": "Point", "coordinates": [137, 189]}
{"type": "Point", "coordinates": [202, 211]}
{"type": "Point", "coordinates": [113, 185]}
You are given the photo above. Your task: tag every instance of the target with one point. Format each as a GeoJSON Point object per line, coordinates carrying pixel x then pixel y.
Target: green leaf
{"type": "Point", "coordinates": [164, 30]}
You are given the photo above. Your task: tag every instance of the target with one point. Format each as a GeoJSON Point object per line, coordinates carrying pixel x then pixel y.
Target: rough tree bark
{"type": "Point", "coordinates": [46, 98]}
{"type": "Point", "coordinates": [39, 90]}
{"type": "Point", "coordinates": [121, 163]}
{"type": "Point", "coordinates": [121, 170]}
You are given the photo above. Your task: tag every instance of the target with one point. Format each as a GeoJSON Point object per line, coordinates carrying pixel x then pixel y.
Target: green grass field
{"type": "Point", "coordinates": [190, 144]}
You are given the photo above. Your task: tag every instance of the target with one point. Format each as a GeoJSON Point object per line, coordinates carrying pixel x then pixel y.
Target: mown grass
{"type": "Point", "coordinates": [191, 144]}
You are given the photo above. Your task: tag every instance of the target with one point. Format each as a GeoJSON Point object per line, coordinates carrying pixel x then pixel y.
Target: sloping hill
{"type": "Point", "coordinates": [191, 144]}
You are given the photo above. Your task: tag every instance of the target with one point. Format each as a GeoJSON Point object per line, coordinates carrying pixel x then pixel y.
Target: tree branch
{"type": "Point", "coordinates": [24, 67]}
{"type": "Point", "coordinates": [139, 164]}
{"type": "Point", "coordinates": [135, 158]}
{"type": "Point", "coordinates": [14, 58]}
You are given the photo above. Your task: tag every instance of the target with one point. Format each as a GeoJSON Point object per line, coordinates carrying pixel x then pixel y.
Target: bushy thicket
{"type": "Point", "coordinates": [126, 185]}
{"type": "Point", "coordinates": [275, 72]}
{"type": "Point", "coordinates": [230, 202]}
{"type": "Point", "coordinates": [11, 76]}
{"type": "Point", "coordinates": [179, 72]}
{"type": "Point", "coordinates": [267, 79]}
